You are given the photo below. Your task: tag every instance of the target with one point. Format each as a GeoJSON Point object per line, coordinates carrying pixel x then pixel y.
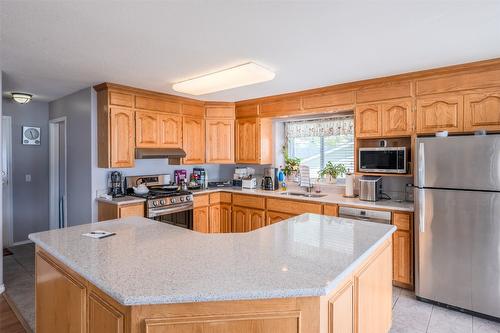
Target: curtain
{"type": "Point", "coordinates": [340, 125]}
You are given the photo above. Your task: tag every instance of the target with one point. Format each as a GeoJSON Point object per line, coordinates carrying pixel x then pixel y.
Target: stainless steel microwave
{"type": "Point", "coordinates": [382, 159]}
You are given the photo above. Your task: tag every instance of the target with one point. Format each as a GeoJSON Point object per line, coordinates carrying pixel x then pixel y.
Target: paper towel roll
{"type": "Point", "coordinates": [349, 185]}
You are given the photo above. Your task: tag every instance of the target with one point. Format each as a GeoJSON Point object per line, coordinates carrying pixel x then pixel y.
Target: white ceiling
{"type": "Point", "coordinates": [53, 48]}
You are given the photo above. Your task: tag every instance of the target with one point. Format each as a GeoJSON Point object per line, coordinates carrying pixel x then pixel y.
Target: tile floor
{"type": "Point", "coordinates": [409, 315]}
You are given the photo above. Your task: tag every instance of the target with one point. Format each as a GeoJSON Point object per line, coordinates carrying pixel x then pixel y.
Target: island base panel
{"type": "Point", "coordinates": [361, 303]}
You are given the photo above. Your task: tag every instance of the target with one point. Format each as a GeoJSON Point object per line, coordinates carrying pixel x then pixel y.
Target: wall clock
{"type": "Point", "coordinates": [31, 135]}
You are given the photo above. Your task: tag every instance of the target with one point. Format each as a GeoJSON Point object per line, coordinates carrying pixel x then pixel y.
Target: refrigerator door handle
{"type": "Point", "coordinates": [421, 164]}
{"type": "Point", "coordinates": [421, 211]}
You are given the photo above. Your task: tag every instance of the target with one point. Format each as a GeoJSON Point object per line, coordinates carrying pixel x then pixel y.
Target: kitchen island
{"type": "Point", "coordinates": [310, 273]}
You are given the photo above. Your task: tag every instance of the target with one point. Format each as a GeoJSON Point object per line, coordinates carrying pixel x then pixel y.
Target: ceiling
{"type": "Point", "coordinates": [53, 48]}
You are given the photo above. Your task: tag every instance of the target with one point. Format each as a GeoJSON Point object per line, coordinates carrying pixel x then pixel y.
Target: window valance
{"type": "Point", "coordinates": [340, 125]}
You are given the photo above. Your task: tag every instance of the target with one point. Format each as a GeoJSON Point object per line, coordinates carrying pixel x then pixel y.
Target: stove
{"type": "Point", "coordinates": [164, 201]}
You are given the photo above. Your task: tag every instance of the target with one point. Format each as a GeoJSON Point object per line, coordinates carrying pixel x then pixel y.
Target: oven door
{"type": "Point", "coordinates": [384, 160]}
{"type": "Point", "coordinates": [181, 215]}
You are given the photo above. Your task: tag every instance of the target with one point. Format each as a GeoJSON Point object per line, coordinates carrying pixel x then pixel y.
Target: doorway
{"type": "Point", "coordinates": [7, 225]}
{"type": "Point", "coordinates": [58, 173]}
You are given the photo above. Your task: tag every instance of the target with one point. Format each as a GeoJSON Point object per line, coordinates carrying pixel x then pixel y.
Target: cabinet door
{"type": "Point", "coordinates": [256, 219]}
{"type": "Point", "coordinates": [368, 121]}
{"type": "Point", "coordinates": [60, 299]}
{"type": "Point", "coordinates": [275, 217]}
{"type": "Point", "coordinates": [220, 141]}
{"type": "Point", "coordinates": [200, 219]}
{"type": "Point", "coordinates": [122, 138]}
{"type": "Point", "coordinates": [193, 140]}
{"type": "Point", "coordinates": [170, 131]}
{"type": "Point", "coordinates": [131, 210]}
{"type": "Point", "coordinates": [146, 129]}
{"type": "Point", "coordinates": [103, 317]}
{"type": "Point", "coordinates": [440, 113]}
{"type": "Point", "coordinates": [215, 219]}
{"type": "Point", "coordinates": [482, 111]}
{"type": "Point", "coordinates": [331, 210]}
{"type": "Point", "coordinates": [247, 140]}
{"type": "Point", "coordinates": [397, 118]}
{"type": "Point", "coordinates": [225, 218]}
{"type": "Point", "coordinates": [401, 270]}
{"type": "Point", "coordinates": [341, 314]}
{"type": "Point", "coordinates": [239, 221]}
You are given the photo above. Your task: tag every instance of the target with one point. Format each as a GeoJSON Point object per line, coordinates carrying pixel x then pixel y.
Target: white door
{"type": "Point", "coordinates": [57, 173]}
{"type": "Point", "coordinates": [7, 225]}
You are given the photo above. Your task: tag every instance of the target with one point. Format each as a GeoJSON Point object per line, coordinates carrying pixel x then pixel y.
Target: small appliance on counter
{"type": "Point", "coordinates": [115, 184]}
{"type": "Point", "coordinates": [200, 177]}
{"type": "Point", "coordinates": [180, 176]}
{"type": "Point", "coordinates": [370, 188]}
{"type": "Point", "coordinates": [220, 183]}
{"type": "Point", "coordinates": [250, 182]}
{"type": "Point", "coordinates": [270, 181]}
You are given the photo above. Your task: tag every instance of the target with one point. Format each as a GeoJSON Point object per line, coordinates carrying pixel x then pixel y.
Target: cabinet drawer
{"type": "Point", "coordinates": [249, 201]}
{"type": "Point", "coordinates": [120, 99]}
{"type": "Point", "coordinates": [293, 206]}
{"type": "Point", "coordinates": [200, 200]}
{"type": "Point", "coordinates": [401, 221]}
{"type": "Point", "coordinates": [220, 197]}
{"type": "Point", "coordinates": [331, 210]}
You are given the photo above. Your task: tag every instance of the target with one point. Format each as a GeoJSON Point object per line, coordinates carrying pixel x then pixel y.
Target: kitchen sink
{"type": "Point", "coordinates": [303, 194]}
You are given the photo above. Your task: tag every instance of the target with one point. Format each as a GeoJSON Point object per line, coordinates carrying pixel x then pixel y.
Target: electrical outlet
{"type": "Point", "coordinates": [28, 178]}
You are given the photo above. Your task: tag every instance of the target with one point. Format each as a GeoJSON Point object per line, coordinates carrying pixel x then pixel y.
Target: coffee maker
{"type": "Point", "coordinates": [270, 181]}
{"type": "Point", "coordinates": [115, 184]}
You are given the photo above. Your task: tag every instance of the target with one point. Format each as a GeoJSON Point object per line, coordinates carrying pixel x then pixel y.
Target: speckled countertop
{"type": "Point", "coordinates": [149, 262]}
{"type": "Point", "coordinates": [329, 198]}
{"type": "Point", "coordinates": [126, 200]}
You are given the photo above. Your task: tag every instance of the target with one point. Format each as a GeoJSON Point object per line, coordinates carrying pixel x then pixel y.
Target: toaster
{"type": "Point", "coordinates": [370, 188]}
{"type": "Point", "coordinates": [249, 183]}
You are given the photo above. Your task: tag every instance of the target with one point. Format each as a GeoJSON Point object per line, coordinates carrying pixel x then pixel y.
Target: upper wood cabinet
{"type": "Point", "coordinates": [122, 135]}
{"type": "Point", "coordinates": [397, 118]}
{"type": "Point", "coordinates": [368, 120]}
{"type": "Point", "coordinates": [482, 111]}
{"type": "Point", "coordinates": [254, 140]}
{"type": "Point", "coordinates": [440, 113]}
{"type": "Point", "coordinates": [220, 141]}
{"type": "Point", "coordinates": [170, 131]}
{"type": "Point", "coordinates": [146, 129]}
{"type": "Point", "coordinates": [193, 140]}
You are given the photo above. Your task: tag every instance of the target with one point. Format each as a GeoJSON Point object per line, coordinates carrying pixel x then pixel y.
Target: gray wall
{"type": "Point", "coordinates": [30, 199]}
{"type": "Point", "coordinates": [76, 108]}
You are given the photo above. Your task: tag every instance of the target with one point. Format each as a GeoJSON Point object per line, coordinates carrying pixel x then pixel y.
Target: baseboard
{"type": "Point", "coordinates": [2, 288]}
{"type": "Point", "coordinates": [22, 242]}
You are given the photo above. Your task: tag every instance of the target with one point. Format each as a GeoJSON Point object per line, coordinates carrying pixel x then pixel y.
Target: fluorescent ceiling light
{"type": "Point", "coordinates": [21, 98]}
{"type": "Point", "coordinates": [242, 75]}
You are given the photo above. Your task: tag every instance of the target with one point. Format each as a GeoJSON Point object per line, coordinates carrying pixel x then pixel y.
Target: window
{"type": "Point", "coordinates": [318, 141]}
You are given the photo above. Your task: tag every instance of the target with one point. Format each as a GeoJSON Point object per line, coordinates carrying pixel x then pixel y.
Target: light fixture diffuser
{"type": "Point", "coordinates": [239, 76]}
{"type": "Point", "coordinates": [21, 98]}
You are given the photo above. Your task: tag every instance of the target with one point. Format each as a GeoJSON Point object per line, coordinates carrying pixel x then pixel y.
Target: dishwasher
{"type": "Point", "coordinates": [368, 215]}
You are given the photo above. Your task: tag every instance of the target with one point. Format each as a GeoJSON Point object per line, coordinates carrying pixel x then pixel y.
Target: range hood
{"type": "Point", "coordinates": [174, 155]}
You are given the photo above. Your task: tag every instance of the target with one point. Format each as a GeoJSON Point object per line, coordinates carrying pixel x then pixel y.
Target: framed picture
{"type": "Point", "coordinates": [31, 135]}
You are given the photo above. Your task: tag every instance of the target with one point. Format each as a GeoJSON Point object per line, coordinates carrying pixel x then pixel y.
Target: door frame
{"type": "Point", "coordinates": [54, 172]}
{"type": "Point", "coordinates": [8, 209]}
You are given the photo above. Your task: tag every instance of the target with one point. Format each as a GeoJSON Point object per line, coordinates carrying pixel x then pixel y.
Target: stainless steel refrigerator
{"type": "Point", "coordinates": [457, 229]}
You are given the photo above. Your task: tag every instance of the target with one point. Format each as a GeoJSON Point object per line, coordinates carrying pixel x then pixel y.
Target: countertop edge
{"type": "Point", "coordinates": [130, 201]}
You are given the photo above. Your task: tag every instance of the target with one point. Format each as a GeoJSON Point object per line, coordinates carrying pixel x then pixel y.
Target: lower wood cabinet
{"type": "Point", "coordinates": [247, 219]}
{"type": "Point", "coordinates": [103, 317]}
{"type": "Point", "coordinates": [200, 219]}
{"type": "Point", "coordinates": [220, 218]}
{"type": "Point", "coordinates": [402, 256]}
{"type": "Point", "coordinates": [256, 219]}
{"type": "Point", "coordinates": [275, 217]}
{"type": "Point", "coordinates": [110, 211]}
{"type": "Point", "coordinates": [193, 140]}
{"type": "Point", "coordinates": [331, 210]}
{"type": "Point", "coordinates": [341, 310]}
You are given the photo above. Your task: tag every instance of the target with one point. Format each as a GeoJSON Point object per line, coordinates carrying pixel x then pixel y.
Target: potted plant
{"type": "Point", "coordinates": [291, 165]}
{"type": "Point", "coordinates": [332, 171]}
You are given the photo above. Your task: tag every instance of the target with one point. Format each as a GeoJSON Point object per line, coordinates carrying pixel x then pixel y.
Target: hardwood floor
{"type": "Point", "coordinates": [8, 320]}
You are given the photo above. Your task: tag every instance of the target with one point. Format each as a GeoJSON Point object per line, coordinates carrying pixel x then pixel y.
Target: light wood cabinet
{"type": "Point", "coordinates": [103, 317]}
{"type": "Point", "coordinates": [341, 310]}
{"type": "Point", "coordinates": [214, 224]}
{"type": "Point", "coordinates": [220, 141]}
{"type": "Point", "coordinates": [331, 210]}
{"type": "Point", "coordinates": [201, 219]}
{"type": "Point", "coordinates": [397, 118]}
{"type": "Point", "coordinates": [193, 140]}
{"type": "Point", "coordinates": [146, 129]}
{"type": "Point", "coordinates": [293, 207]}
{"type": "Point", "coordinates": [110, 211]}
{"type": "Point", "coordinates": [239, 219]}
{"type": "Point", "coordinates": [368, 120]}
{"type": "Point", "coordinates": [225, 217]}
{"type": "Point", "coordinates": [122, 133]}
{"type": "Point", "coordinates": [253, 140]}
{"type": "Point", "coordinates": [440, 113]}
{"type": "Point", "coordinates": [247, 219]}
{"type": "Point", "coordinates": [403, 250]}
{"type": "Point", "coordinates": [482, 111]}
{"type": "Point", "coordinates": [256, 219]}
{"type": "Point", "coordinates": [170, 131]}
{"type": "Point", "coordinates": [275, 217]}
{"type": "Point", "coordinates": [64, 307]}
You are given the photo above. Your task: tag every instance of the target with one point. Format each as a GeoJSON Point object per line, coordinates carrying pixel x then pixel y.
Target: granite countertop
{"type": "Point", "coordinates": [149, 262]}
{"type": "Point", "coordinates": [334, 198]}
{"type": "Point", "coordinates": [126, 200]}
